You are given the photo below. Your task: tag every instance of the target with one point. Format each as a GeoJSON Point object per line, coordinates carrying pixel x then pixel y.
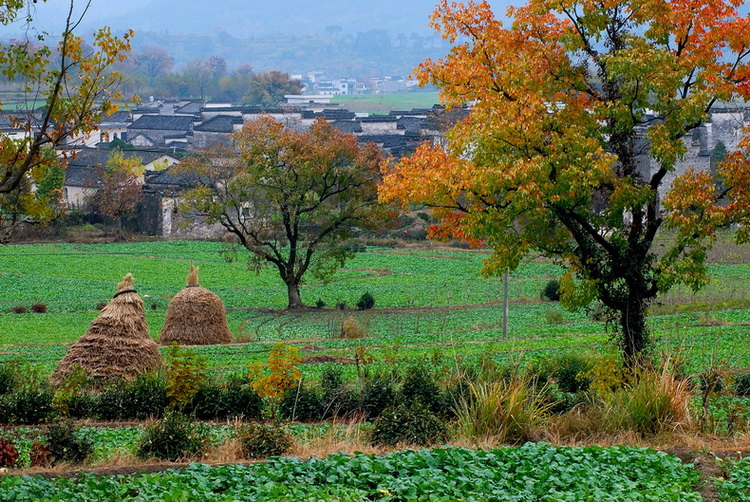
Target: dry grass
{"type": "Point", "coordinates": [195, 316]}
{"type": "Point", "coordinates": [117, 343]}
{"type": "Point", "coordinates": [351, 329]}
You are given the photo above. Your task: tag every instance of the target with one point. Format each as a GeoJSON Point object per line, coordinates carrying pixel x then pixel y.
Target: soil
{"type": "Point", "coordinates": [704, 461]}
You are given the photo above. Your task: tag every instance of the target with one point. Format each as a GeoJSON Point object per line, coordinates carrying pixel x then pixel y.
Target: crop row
{"type": "Point", "coordinates": [535, 471]}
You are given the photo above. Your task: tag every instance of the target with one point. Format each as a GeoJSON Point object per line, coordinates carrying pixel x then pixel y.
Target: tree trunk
{"type": "Point", "coordinates": [294, 301]}
{"type": "Point", "coordinates": [635, 333]}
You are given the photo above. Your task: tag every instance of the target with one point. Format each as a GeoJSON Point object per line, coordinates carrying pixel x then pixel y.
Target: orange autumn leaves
{"type": "Point", "coordinates": [537, 139]}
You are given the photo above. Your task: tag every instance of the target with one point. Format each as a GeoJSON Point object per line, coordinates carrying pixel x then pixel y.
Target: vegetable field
{"type": "Point", "coordinates": [532, 472]}
{"type": "Point", "coordinates": [430, 303]}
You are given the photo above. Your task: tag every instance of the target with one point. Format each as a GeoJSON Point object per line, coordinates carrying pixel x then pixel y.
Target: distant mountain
{"type": "Point", "coordinates": [251, 18]}
{"type": "Point", "coordinates": [342, 38]}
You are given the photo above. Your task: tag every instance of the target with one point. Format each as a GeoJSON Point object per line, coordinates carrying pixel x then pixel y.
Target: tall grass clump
{"type": "Point", "coordinates": [508, 410]}
{"type": "Point", "coordinates": [651, 402]}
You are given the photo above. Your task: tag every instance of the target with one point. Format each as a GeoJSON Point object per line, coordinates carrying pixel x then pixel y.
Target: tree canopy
{"type": "Point", "coordinates": [64, 91]}
{"type": "Point", "coordinates": [268, 89]}
{"type": "Point", "coordinates": [567, 101]}
{"type": "Point", "coordinates": [292, 198]}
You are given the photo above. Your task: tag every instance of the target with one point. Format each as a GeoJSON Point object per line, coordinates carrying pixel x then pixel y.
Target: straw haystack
{"type": "Point", "coordinates": [117, 343]}
{"type": "Point", "coordinates": [195, 316]}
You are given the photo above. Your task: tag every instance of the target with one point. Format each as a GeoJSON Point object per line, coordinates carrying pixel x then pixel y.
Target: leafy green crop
{"type": "Point", "coordinates": [538, 472]}
{"type": "Point", "coordinates": [737, 487]}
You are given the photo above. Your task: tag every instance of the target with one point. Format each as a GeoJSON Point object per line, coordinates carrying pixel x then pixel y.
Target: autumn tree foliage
{"type": "Point", "coordinates": [565, 101]}
{"type": "Point", "coordinates": [268, 89]}
{"type": "Point", "coordinates": [64, 91]}
{"type": "Point", "coordinates": [120, 192]}
{"type": "Point", "coordinates": [292, 198]}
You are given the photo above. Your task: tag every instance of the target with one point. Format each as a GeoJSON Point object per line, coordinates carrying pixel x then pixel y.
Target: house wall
{"type": "Point", "coordinates": [178, 225]}
{"type": "Point", "coordinates": [75, 197]}
{"type": "Point", "coordinates": [381, 127]}
{"type": "Point", "coordinates": [203, 139]}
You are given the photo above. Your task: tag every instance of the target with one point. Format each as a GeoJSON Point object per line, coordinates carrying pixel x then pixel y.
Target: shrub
{"type": "Point", "coordinates": [419, 385]}
{"type": "Point", "coordinates": [109, 404]}
{"type": "Point", "coordinates": [553, 316]}
{"type": "Point", "coordinates": [231, 399]}
{"type": "Point", "coordinates": [261, 440]}
{"type": "Point", "coordinates": [27, 407]}
{"type": "Point", "coordinates": [366, 301]}
{"type": "Point", "coordinates": [338, 400]}
{"type": "Point", "coordinates": [65, 445]}
{"type": "Point", "coordinates": [19, 309]}
{"type": "Point", "coordinates": [40, 454]}
{"type": "Point", "coordinates": [742, 384]}
{"type": "Point", "coordinates": [411, 424]}
{"type": "Point", "coordinates": [711, 381]}
{"type": "Point", "coordinates": [186, 373]}
{"type": "Point", "coordinates": [173, 437]}
{"type": "Point", "coordinates": [144, 397]}
{"type": "Point", "coordinates": [39, 308]}
{"type": "Point", "coordinates": [351, 329]}
{"type": "Point", "coordinates": [569, 370]}
{"type": "Point", "coordinates": [377, 395]}
{"type": "Point", "coordinates": [8, 453]}
{"type": "Point", "coordinates": [280, 373]}
{"type": "Point", "coordinates": [341, 305]}
{"type": "Point", "coordinates": [8, 378]}
{"type": "Point", "coordinates": [82, 405]}
{"type": "Point", "coordinates": [72, 386]}
{"type": "Point", "coordinates": [551, 291]}
{"type": "Point", "coordinates": [303, 403]}
{"type": "Point", "coordinates": [508, 410]}
{"type": "Point", "coordinates": [320, 304]}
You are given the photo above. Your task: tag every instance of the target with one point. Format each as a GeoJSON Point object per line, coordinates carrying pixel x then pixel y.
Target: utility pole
{"type": "Point", "coordinates": [505, 305]}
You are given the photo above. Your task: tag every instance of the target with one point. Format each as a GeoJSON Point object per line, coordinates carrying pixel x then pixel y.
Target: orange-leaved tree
{"type": "Point", "coordinates": [567, 104]}
{"type": "Point", "coordinates": [292, 198]}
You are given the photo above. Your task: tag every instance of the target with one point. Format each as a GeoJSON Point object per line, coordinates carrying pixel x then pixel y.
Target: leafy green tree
{"type": "Point", "coordinates": [293, 199]}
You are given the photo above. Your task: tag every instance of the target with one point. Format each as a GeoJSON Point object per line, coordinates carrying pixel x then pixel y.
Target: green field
{"type": "Point", "coordinates": [430, 303]}
{"type": "Point", "coordinates": [385, 103]}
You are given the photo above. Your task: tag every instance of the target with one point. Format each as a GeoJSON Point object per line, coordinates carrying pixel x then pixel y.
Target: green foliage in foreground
{"type": "Point", "coordinates": [532, 472]}
{"type": "Point", "coordinates": [737, 487]}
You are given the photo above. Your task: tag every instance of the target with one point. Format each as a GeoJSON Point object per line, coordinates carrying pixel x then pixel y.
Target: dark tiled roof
{"type": "Point", "coordinates": [411, 124]}
{"type": "Point", "coordinates": [386, 140]}
{"type": "Point", "coordinates": [220, 123]}
{"type": "Point", "coordinates": [119, 117]}
{"type": "Point", "coordinates": [82, 177]}
{"type": "Point", "coordinates": [190, 108]}
{"type": "Point", "coordinates": [91, 157]}
{"type": "Point", "coordinates": [379, 118]}
{"type": "Point", "coordinates": [333, 114]}
{"type": "Point", "coordinates": [147, 109]}
{"type": "Point", "coordinates": [170, 179]}
{"type": "Point", "coordinates": [347, 126]}
{"type": "Point", "coordinates": [163, 123]}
